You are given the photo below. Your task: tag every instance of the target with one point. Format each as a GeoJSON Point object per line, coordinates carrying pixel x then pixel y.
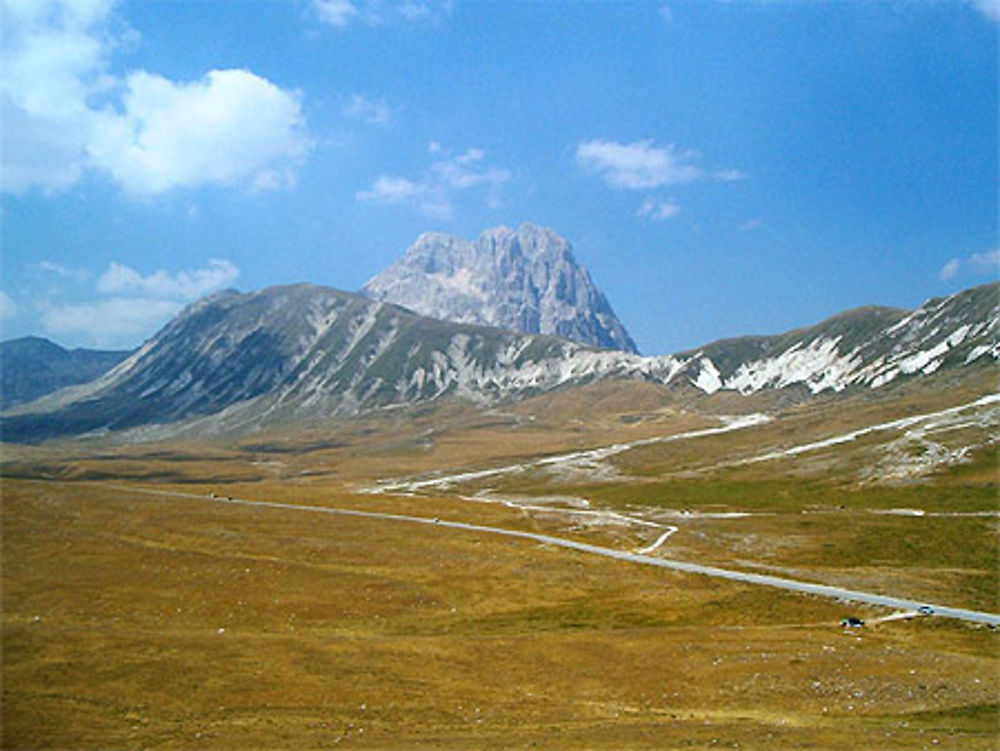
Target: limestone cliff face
{"type": "Point", "coordinates": [526, 280]}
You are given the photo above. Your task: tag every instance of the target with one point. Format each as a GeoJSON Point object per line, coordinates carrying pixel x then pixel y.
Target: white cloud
{"type": "Point", "coordinates": [666, 13]}
{"type": "Point", "coordinates": [64, 114]}
{"type": "Point", "coordinates": [230, 127]}
{"type": "Point", "coordinates": [8, 308]}
{"type": "Point", "coordinates": [639, 165]}
{"type": "Point", "coordinates": [53, 55]}
{"type": "Point", "coordinates": [111, 320]}
{"type": "Point", "coordinates": [642, 165]}
{"type": "Point", "coordinates": [370, 110]}
{"type": "Point", "coordinates": [950, 269]}
{"type": "Point", "coordinates": [659, 211]}
{"type": "Point", "coordinates": [59, 270]}
{"type": "Point", "coordinates": [185, 285]}
{"type": "Point", "coordinates": [751, 224]}
{"type": "Point", "coordinates": [434, 192]}
{"type": "Point", "coordinates": [52, 61]}
{"type": "Point", "coordinates": [989, 8]}
{"type": "Point", "coordinates": [987, 262]}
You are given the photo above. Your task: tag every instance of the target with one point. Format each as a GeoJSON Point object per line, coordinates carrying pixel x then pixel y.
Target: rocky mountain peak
{"type": "Point", "coordinates": [525, 279]}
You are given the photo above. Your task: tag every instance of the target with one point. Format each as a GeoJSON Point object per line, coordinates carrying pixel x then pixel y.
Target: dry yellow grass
{"type": "Point", "coordinates": [387, 635]}
{"type": "Point", "coordinates": [138, 620]}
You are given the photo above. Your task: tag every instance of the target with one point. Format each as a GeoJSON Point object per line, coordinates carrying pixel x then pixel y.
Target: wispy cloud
{"type": "Point", "coordinates": [390, 190]}
{"type": "Point", "coordinates": [8, 308]}
{"type": "Point", "coordinates": [643, 165]}
{"type": "Point", "coordinates": [639, 165]}
{"type": "Point", "coordinates": [150, 134]}
{"type": "Point", "coordinates": [751, 224]}
{"type": "Point", "coordinates": [414, 11]}
{"type": "Point", "coordinates": [950, 269]}
{"type": "Point", "coordinates": [78, 275]}
{"type": "Point", "coordinates": [729, 175]}
{"type": "Point", "coordinates": [129, 303]}
{"type": "Point", "coordinates": [989, 8]}
{"type": "Point", "coordinates": [658, 211]}
{"type": "Point", "coordinates": [372, 110]}
{"type": "Point", "coordinates": [428, 197]}
{"type": "Point", "coordinates": [434, 192]}
{"type": "Point", "coordinates": [335, 12]}
{"type": "Point", "coordinates": [185, 285]}
{"type": "Point", "coordinates": [986, 263]}
{"type": "Point", "coordinates": [111, 321]}
{"type": "Point", "coordinates": [342, 13]}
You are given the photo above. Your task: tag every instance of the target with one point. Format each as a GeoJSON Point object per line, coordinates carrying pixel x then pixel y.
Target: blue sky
{"type": "Point", "coordinates": [721, 167]}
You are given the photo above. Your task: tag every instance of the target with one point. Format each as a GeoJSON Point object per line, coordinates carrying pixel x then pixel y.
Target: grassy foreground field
{"type": "Point", "coordinates": [135, 619]}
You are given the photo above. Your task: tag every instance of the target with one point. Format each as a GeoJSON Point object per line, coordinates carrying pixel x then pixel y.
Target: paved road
{"type": "Point", "coordinates": [792, 585]}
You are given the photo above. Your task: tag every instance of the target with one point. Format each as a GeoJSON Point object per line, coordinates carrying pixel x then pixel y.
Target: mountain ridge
{"type": "Point", "coordinates": [32, 366]}
{"type": "Point", "coordinates": [242, 360]}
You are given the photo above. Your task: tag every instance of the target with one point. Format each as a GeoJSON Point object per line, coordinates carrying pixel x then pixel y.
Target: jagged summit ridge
{"type": "Point", "coordinates": [524, 279]}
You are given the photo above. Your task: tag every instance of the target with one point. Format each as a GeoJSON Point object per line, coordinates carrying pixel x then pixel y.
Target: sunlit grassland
{"type": "Point", "coordinates": [824, 515]}
{"type": "Point", "coordinates": [420, 439]}
{"type": "Point", "coordinates": [133, 619]}
{"type": "Point", "coordinates": [140, 620]}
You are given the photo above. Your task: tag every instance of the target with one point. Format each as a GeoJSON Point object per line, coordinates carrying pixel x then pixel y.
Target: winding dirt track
{"type": "Point", "coordinates": [792, 585]}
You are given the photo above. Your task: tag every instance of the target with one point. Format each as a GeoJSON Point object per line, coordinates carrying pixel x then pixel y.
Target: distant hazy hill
{"type": "Point", "coordinates": [33, 366]}
{"type": "Point", "coordinates": [525, 279]}
{"type": "Point", "coordinates": [238, 361]}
